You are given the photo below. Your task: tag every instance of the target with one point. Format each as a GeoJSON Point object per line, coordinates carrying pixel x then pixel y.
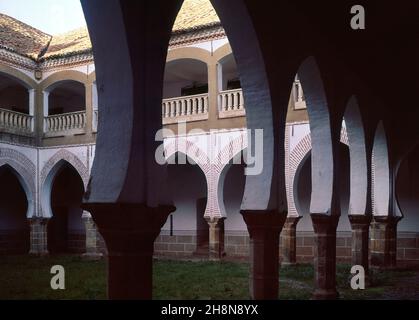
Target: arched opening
{"type": "Point", "coordinates": [303, 188]}
{"type": "Point", "coordinates": [14, 226]}
{"type": "Point", "coordinates": [187, 226]}
{"type": "Point", "coordinates": [231, 194]}
{"type": "Point", "coordinates": [185, 77]}
{"type": "Point", "coordinates": [66, 97]}
{"type": "Point", "coordinates": [185, 90]}
{"type": "Point", "coordinates": [407, 191]}
{"type": "Point", "coordinates": [14, 96]}
{"type": "Point", "coordinates": [66, 231]}
{"type": "Point", "coordinates": [228, 73]}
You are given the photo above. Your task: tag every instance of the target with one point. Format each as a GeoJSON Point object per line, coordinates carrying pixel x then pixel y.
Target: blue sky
{"type": "Point", "coordinates": [50, 16]}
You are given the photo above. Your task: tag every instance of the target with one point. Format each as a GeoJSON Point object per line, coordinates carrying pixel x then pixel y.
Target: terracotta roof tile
{"type": "Point", "coordinates": [69, 43]}
{"type": "Point", "coordinates": [27, 41]}
{"type": "Point", "coordinates": [195, 14]}
{"type": "Point", "coordinates": [21, 38]}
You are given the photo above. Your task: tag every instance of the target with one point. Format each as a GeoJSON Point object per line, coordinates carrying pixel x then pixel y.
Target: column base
{"type": "Point", "coordinates": [264, 229]}
{"type": "Point", "coordinates": [129, 231]}
{"type": "Point", "coordinates": [325, 256]}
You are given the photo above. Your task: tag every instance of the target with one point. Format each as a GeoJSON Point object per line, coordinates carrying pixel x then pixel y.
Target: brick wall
{"type": "Point", "coordinates": [237, 245]}
{"type": "Point", "coordinates": [76, 241]}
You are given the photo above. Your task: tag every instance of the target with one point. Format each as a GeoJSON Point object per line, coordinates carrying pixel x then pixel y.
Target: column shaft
{"type": "Point", "coordinates": [289, 241]}
{"type": "Point", "coordinates": [216, 237]}
{"type": "Point", "coordinates": [360, 240]}
{"type": "Point", "coordinates": [264, 229]}
{"type": "Point", "coordinates": [38, 236]}
{"type": "Point", "coordinates": [384, 241]}
{"type": "Point", "coordinates": [325, 256]}
{"type": "Point", "coordinates": [129, 231]}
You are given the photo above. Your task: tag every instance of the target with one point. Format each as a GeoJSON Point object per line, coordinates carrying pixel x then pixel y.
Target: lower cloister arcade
{"type": "Point", "coordinates": [323, 174]}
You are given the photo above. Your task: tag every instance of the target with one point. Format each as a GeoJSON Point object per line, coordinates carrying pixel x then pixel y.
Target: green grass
{"type": "Point", "coordinates": [27, 277]}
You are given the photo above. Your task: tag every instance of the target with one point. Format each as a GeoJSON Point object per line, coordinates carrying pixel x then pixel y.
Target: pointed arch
{"type": "Point", "coordinates": [359, 173]}
{"type": "Point", "coordinates": [381, 174]}
{"type": "Point", "coordinates": [321, 137]}
{"type": "Point", "coordinates": [49, 172]}
{"type": "Point", "coordinates": [25, 171]}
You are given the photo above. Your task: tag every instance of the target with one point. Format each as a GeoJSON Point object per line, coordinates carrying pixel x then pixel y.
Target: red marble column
{"type": "Point", "coordinates": [360, 240]}
{"type": "Point", "coordinates": [289, 241]}
{"type": "Point", "coordinates": [384, 241]}
{"type": "Point", "coordinates": [264, 229]}
{"type": "Point", "coordinates": [325, 256]}
{"type": "Point", "coordinates": [129, 231]}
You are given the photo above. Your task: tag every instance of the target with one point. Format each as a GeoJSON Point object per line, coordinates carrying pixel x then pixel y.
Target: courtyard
{"type": "Point", "coordinates": [28, 277]}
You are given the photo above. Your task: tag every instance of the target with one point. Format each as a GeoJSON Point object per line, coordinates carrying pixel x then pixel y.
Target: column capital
{"type": "Point", "coordinates": [324, 223]}
{"type": "Point", "coordinates": [360, 221]}
{"type": "Point", "coordinates": [291, 221]}
{"type": "Point", "coordinates": [260, 220]}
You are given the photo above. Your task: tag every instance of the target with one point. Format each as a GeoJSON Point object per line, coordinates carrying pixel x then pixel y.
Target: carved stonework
{"type": "Point", "coordinates": [71, 158]}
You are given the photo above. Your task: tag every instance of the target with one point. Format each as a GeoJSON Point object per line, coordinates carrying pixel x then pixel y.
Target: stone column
{"type": "Point", "coordinates": [89, 107]}
{"type": "Point", "coordinates": [216, 237]}
{"type": "Point", "coordinates": [92, 237]}
{"type": "Point", "coordinates": [384, 241]}
{"type": "Point", "coordinates": [212, 91]}
{"type": "Point", "coordinates": [325, 256]}
{"type": "Point", "coordinates": [289, 241]}
{"type": "Point", "coordinates": [38, 236]}
{"type": "Point", "coordinates": [264, 229]}
{"type": "Point", "coordinates": [360, 241]}
{"type": "Point", "coordinates": [129, 231]}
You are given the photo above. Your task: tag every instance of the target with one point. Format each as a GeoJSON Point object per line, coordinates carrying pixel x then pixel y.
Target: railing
{"type": "Point", "coordinates": [16, 122]}
{"type": "Point", "coordinates": [65, 123]}
{"type": "Point", "coordinates": [231, 103]}
{"type": "Point", "coordinates": [299, 100]}
{"type": "Point", "coordinates": [187, 108]}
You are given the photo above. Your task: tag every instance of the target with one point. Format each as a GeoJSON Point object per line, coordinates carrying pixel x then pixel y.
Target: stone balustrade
{"type": "Point", "coordinates": [297, 92]}
{"type": "Point", "coordinates": [65, 123]}
{"type": "Point", "coordinates": [187, 108]}
{"type": "Point", "coordinates": [231, 103]}
{"type": "Point", "coordinates": [16, 122]}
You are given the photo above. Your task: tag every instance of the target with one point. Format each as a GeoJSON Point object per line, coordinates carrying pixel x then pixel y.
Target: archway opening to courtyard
{"type": "Point", "coordinates": [14, 226]}
{"type": "Point", "coordinates": [407, 191]}
{"type": "Point", "coordinates": [187, 226]}
{"type": "Point", "coordinates": [66, 231]}
{"type": "Point", "coordinates": [66, 96]}
{"type": "Point", "coordinates": [14, 95]}
{"type": "Point", "coordinates": [303, 189]}
{"type": "Point", "coordinates": [231, 195]}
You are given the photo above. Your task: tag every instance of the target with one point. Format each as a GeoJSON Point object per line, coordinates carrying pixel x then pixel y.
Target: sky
{"type": "Point", "coordinates": [50, 16]}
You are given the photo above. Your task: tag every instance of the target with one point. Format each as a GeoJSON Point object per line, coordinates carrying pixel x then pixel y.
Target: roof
{"type": "Point", "coordinates": [21, 38]}
{"type": "Point", "coordinates": [195, 14]}
{"type": "Point", "coordinates": [69, 43]}
{"type": "Point", "coordinates": [194, 17]}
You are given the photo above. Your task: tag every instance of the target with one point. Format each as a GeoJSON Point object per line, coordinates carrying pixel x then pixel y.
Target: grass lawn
{"type": "Point", "coordinates": [27, 277]}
